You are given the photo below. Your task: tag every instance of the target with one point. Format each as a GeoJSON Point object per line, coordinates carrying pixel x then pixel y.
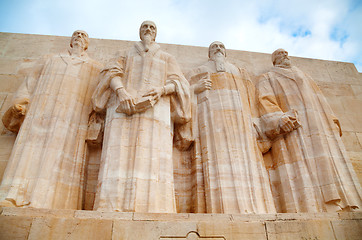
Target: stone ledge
{"type": "Point", "coordinates": [28, 223]}
{"type": "Point", "coordinates": [37, 212]}
{"type": "Point", "coordinates": [103, 215]}
{"type": "Point", "coordinates": [85, 214]}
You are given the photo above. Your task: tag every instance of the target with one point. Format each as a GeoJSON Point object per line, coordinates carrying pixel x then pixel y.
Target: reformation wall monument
{"type": "Point", "coordinates": [110, 139]}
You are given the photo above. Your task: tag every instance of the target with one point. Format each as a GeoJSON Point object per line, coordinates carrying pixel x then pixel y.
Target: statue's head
{"type": "Point", "coordinates": [216, 48]}
{"type": "Point", "coordinates": [280, 58]}
{"type": "Point", "coordinates": [80, 38]}
{"type": "Point", "coordinates": [148, 28]}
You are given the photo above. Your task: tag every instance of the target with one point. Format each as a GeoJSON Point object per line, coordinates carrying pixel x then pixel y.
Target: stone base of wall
{"type": "Point", "coordinates": [26, 223]}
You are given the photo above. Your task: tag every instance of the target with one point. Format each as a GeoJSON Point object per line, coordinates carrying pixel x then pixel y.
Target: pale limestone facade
{"type": "Point", "coordinates": [340, 83]}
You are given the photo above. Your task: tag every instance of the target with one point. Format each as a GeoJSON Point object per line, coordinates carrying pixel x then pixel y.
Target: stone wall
{"type": "Point", "coordinates": [340, 82]}
{"type": "Point", "coordinates": [20, 223]}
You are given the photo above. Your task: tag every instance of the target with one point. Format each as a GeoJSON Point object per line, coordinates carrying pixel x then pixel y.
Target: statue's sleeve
{"type": "Point", "coordinates": [268, 107]}
{"type": "Point", "coordinates": [180, 105]}
{"type": "Point", "coordinates": [103, 91]}
{"type": "Point", "coordinates": [14, 116]}
{"type": "Point", "coordinates": [181, 100]}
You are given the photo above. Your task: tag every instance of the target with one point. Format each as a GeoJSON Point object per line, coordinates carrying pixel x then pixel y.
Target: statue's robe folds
{"type": "Point", "coordinates": [136, 172]}
{"type": "Point", "coordinates": [312, 170]}
{"type": "Point", "coordinates": [46, 166]}
{"type": "Point", "coordinates": [234, 176]}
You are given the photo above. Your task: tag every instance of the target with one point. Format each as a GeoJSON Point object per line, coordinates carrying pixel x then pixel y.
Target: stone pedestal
{"type": "Point", "coordinates": [27, 223]}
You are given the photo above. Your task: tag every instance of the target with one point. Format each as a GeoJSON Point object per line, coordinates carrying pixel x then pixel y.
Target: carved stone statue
{"type": "Point", "coordinates": [147, 101]}
{"type": "Point", "coordinates": [52, 106]}
{"type": "Point", "coordinates": [311, 163]}
{"type": "Point", "coordinates": [235, 177]}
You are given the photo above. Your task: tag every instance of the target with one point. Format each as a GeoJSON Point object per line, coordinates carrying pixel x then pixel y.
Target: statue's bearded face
{"type": "Point", "coordinates": [282, 58]}
{"type": "Point", "coordinates": [217, 49]}
{"type": "Point", "coordinates": [79, 38]}
{"type": "Point", "coordinates": [217, 53]}
{"type": "Point", "coordinates": [148, 29]}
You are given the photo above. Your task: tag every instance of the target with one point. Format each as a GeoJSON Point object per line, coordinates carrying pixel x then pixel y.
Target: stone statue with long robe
{"type": "Point", "coordinates": [52, 106]}
{"type": "Point", "coordinates": [310, 163]}
{"type": "Point", "coordinates": [234, 176]}
{"type": "Point", "coordinates": [147, 100]}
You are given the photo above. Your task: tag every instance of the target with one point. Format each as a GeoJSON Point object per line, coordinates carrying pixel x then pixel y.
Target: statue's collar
{"type": "Point", "coordinates": [154, 47]}
{"type": "Point", "coordinates": [68, 57]}
{"type": "Point", "coordinates": [287, 72]}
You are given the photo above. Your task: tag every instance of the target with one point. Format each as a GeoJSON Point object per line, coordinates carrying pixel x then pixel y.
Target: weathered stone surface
{"type": "Point", "coordinates": [357, 90]}
{"type": "Point", "coordinates": [2, 99]}
{"type": "Point", "coordinates": [254, 217]}
{"type": "Point", "coordinates": [232, 230]}
{"type": "Point", "coordinates": [160, 216]}
{"type": "Point", "coordinates": [350, 215]}
{"type": "Point", "coordinates": [6, 102]}
{"type": "Point", "coordinates": [103, 215]}
{"type": "Point", "coordinates": [10, 82]}
{"type": "Point", "coordinates": [332, 90]}
{"type": "Point", "coordinates": [299, 230]}
{"type": "Point", "coordinates": [347, 229]}
{"type": "Point", "coordinates": [306, 216]}
{"type": "Point", "coordinates": [352, 142]}
{"type": "Point", "coordinates": [210, 217]}
{"type": "Point", "coordinates": [37, 212]}
{"type": "Point", "coordinates": [65, 228]}
{"type": "Point", "coordinates": [14, 227]}
{"type": "Point", "coordinates": [22, 223]}
{"type": "Point", "coordinates": [8, 65]}
{"type": "Point", "coordinates": [136, 230]}
{"type": "Point", "coordinates": [6, 144]}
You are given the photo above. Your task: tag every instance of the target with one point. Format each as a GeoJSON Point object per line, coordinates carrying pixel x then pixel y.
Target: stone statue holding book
{"type": "Point", "coordinates": [147, 102]}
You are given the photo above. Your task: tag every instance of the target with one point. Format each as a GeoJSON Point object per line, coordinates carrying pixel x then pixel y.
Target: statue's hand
{"type": "Point", "coordinates": [20, 109]}
{"type": "Point", "coordinates": [126, 101]}
{"type": "Point", "coordinates": [286, 123]}
{"type": "Point", "coordinates": [202, 85]}
{"type": "Point", "coordinates": [155, 92]}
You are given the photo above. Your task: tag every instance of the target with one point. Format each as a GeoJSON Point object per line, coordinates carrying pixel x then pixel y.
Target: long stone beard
{"type": "Point", "coordinates": [78, 48]}
{"type": "Point", "coordinates": [287, 63]}
{"type": "Point", "coordinates": [220, 62]}
{"type": "Point", "coordinates": [284, 63]}
{"type": "Point", "coordinates": [147, 40]}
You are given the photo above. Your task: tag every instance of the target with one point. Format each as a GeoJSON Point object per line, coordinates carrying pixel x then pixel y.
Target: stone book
{"type": "Point", "coordinates": [141, 105]}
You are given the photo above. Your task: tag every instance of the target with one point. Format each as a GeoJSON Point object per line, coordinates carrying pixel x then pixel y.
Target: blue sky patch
{"type": "Point", "coordinates": [301, 32]}
{"type": "Point", "coordinates": [339, 35]}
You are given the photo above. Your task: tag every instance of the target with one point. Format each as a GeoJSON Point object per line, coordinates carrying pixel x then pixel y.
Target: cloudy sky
{"type": "Point", "coordinates": [322, 29]}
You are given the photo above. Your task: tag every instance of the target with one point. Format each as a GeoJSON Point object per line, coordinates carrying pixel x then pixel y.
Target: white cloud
{"type": "Point", "coordinates": [324, 29]}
